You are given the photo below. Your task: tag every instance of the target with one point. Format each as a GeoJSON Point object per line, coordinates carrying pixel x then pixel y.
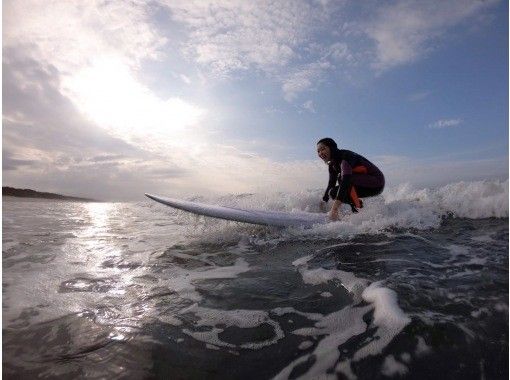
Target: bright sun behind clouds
{"type": "Point", "coordinates": [108, 94]}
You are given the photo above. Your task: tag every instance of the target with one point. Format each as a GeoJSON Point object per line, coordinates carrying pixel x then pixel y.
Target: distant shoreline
{"type": "Point", "coordinates": [29, 193]}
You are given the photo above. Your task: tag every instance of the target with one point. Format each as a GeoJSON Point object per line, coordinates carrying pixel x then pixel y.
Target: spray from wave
{"type": "Point", "coordinates": [401, 207]}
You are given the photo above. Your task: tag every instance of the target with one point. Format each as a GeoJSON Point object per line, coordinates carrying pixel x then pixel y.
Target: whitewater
{"type": "Point", "coordinates": [414, 286]}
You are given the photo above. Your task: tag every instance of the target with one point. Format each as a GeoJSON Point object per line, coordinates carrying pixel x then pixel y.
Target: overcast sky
{"type": "Point", "coordinates": [111, 99]}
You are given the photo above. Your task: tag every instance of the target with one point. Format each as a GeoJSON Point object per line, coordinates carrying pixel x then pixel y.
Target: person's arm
{"type": "Point", "coordinates": [331, 184]}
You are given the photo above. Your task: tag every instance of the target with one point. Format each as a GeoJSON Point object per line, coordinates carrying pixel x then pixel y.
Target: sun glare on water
{"type": "Point", "coordinates": [99, 214]}
{"type": "Point", "coordinates": [108, 93]}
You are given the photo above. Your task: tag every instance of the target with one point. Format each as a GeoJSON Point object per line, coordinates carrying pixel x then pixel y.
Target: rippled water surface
{"type": "Point", "coordinates": [137, 290]}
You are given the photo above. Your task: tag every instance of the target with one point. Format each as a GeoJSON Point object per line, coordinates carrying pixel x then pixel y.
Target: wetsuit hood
{"type": "Point", "coordinates": [329, 142]}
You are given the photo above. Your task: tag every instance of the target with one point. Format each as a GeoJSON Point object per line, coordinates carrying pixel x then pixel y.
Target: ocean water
{"type": "Point", "coordinates": [414, 286]}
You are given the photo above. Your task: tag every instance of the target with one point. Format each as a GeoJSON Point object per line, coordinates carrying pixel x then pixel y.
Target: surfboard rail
{"type": "Point", "coordinates": [261, 217]}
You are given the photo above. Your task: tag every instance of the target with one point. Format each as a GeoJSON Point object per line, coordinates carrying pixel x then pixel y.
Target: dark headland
{"type": "Point", "coordinates": [28, 193]}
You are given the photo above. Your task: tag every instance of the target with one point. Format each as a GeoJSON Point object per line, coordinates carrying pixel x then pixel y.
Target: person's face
{"type": "Point", "coordinates": [324, 152]}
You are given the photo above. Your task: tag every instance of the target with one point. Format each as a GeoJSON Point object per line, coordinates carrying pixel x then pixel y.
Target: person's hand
{"type": "Point", "coordinates": [333, 214]}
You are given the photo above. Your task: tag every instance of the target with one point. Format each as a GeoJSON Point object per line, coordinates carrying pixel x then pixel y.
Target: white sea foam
{"type": "Point", "coordinates": [302, 260]}
{"type": "Point", "coordinates": [487, 238]}
{"type": "Point", "coordinates": [391, 367]}
{"type": "Point", "coordinates": [406, 357]}
{"type": "Point", "coordinates": [342, 325]}
{"type": "Point", "coordinates": [181, 281]}
{"type": "Point", "coordinates": [217, 320]}
{"type": "Point", "coordinates": [480, 312]}
{"type": "Point", "coordinates": [338, 327]}
{"type": "Point", "coordinates": [388, 318]}
{"type": "Point", "coordinates": [290, 310]}
{"type": "Point", "coordinates": [457, 250]}
{"type": "Point", "coordinates": [305, 344]}
{"type": "Point", "coordinates": [422, 348]}
{"type": "Point", "coordinates": [398, 207]}
{"type": "Point", "coordinates": [387, 312]}
{"type": "Point", "coordinates": [501, 307]}
{"type": "Point", "coordinates": [170, 319]}
{"type": "Point", "coordinates": [344, 367]}
{"type": "Point", "coordinates": [477, 199]}
{"type": "Point", "coordinates": [316, 276]}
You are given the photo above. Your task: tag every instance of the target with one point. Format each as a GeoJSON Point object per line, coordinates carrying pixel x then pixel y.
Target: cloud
{"type": "Point", "coordinates": [226, 38]}
{"type": "Point", "coordinates": [240, 35]}
{"type": "Point", "coordinates": [52, 143]}
{"type": "Point", "coordinates": [304, 79]}
{"type": "Point", "coordinates": [69, 33]}
{"type": "Point", "coordinates": [185, 79]}
{"type": "Point", "coordinates": [308, 105]}
{"type": "Point", "coordinates": [291, 41]}
{"type": "Point", "coordinates": [48, 144]}
{"type": "Point", "coordinates": [340, 52]}
{"type": "Point", "coordinates": [110, 181]}
{"type": "Point", "coordinates": [404, 31]}
{"type": "Point", "coordinates": [10, 163]}
{"type": "Point", "coordinates": [84, 58]}
{"type": "Point", "coordinates": [445, 123]}
{"type": "Point", "coordinates": [106, 157]}
{"type": "Point", "coordinates": [109, 94]}
{"type": "Point", "coordinates": [51, 146]}
{"type": "Point", "coordinates": [272, 38]}
{"type": "Point", "coordinates": [37, 116]}
{"type": "Point", "coordinates": [76, 114]}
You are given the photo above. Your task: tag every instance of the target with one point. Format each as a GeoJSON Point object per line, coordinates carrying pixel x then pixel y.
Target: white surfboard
{"type": "Point", "coordinates": [268, 218]}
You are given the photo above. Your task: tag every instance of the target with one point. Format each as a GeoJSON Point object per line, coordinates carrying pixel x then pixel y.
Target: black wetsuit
{"type": "Point", "coordinates": [366, 178]}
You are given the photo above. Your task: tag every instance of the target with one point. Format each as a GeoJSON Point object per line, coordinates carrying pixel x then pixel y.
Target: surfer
{"type": "Point", "coordinates": [357, 177]}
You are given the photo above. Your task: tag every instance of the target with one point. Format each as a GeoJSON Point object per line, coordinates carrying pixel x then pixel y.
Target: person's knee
{"type": "Point", "coordinates": [369, 192]}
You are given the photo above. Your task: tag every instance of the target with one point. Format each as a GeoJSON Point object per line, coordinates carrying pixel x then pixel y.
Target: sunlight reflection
{"type": "Point", "coordinates": [99, 213]}
{"type": "Point", "coordinates": [97, 237]}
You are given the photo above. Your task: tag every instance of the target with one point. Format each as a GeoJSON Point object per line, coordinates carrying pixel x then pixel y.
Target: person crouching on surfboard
{"type": "Point", "coordinates": [357, 177]}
